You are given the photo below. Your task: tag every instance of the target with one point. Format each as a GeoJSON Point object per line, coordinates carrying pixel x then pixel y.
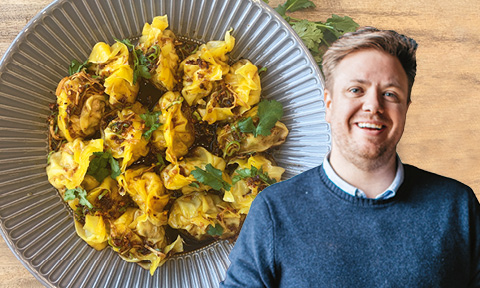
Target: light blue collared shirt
{"type": "Point", "coordinates": [354, 191]}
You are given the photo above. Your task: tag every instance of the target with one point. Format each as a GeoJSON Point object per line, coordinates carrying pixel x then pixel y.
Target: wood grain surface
{"type": "Point", "coordinates": [442, 131]}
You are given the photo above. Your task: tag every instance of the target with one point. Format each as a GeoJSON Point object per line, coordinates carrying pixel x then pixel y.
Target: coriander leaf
{"type": "Point", "coordinates": [79, 193]}
{"type": "Point", "coordinates": [141, 63]}
{"type": "Point", "coordinates": [76, 66]}
{"type": "Point", "coordinates": [342, 24]}
{"type": "Point", "coordinates": [246, 125]}
{"type": "Point", "coordinates": [211, 176]}
{"type": "Point", "coordinates": [269, 112]}
{"type": "Point", "coordinates": [310, 34]}
{"type": "Point", "coordinates": [250, 173]}
{"type": "Point", "coordinates": [266, 1]}
{"type": "Point", "coordinates": [152, 123]}
{"type": "Point", "coordinates": [103, 165]}
{"type": "Point", "coordinates": [215, 231]}
{"type": "Point", "coordinates": [294, 5]}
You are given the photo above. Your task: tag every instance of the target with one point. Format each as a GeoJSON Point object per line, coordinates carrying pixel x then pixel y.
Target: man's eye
{"type": "Point", "coordinates": [390, 95]}
{"type": "Point", "coordinates": [354, 90]}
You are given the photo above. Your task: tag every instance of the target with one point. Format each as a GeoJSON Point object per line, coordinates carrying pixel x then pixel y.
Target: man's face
{"type": "Point", "coordinates": [367, 107]}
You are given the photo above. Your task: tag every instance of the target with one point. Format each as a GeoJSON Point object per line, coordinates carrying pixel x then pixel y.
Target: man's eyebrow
{"type": "Point", "coordinates": [391, 83]}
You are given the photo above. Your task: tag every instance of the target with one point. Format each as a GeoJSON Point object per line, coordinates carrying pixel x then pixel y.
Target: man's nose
{"type": "Point", "coordinates": [373, 102]}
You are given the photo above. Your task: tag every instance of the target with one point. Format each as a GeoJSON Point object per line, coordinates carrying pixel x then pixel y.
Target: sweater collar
{"type": "Point", "coordinates": [390, 192]}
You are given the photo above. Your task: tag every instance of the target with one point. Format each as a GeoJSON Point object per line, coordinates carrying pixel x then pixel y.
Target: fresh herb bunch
{"type": "Point", "coordinates": [316, 35]}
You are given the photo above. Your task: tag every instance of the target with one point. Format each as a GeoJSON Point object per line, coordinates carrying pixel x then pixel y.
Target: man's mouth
{"type": "Point", "coordinates": [372, 126]}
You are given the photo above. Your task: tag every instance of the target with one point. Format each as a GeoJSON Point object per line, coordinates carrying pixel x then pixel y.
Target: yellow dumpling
{"type": "Point", "coordinates": [106, 59]}
{"type": "Point", "coordinates": [120, 87]}
{"type": "Point", "coordinates": [244, 191]}
{"type": "Point", "coordinates": [147, 191]}
{"type": "Point", "coordinates": [197, 211]}
{"type": "Point", "coordinates": [112, 63]}
{"type": "Point", "coordinates": [123, 137]}
{"type": "Point", "coordinates": [67, 167]}
{"type": "Point", "coordinates": [156, 40]}
{"type": "Point", "coordinates": [81, 104]}
{"type": "Point", "coordinates": [244, 79]}
{"type": "Point", "coordinates": [126, 238]}
{"type": "Point", "coordinates": [178, 132]}
{"type": "Point", "coordinates": [208, 64]}
{"type": "Point", "coordinates": [93, 232]}
{"type": "Point", "coordinates": [178, 175]}
{"type": "Point", "coordinates": [234, 142]}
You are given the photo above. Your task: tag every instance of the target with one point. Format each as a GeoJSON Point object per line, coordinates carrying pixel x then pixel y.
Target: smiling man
{"type": "Point", "coordinates": [362, 218]}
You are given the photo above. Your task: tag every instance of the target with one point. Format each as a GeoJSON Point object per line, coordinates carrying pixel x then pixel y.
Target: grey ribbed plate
{"type": "Point", "coordinates": [35, 222]}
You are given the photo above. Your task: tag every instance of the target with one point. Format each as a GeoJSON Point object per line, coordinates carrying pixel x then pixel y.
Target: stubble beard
{"type": "Point", "coordinates": [365, 158]}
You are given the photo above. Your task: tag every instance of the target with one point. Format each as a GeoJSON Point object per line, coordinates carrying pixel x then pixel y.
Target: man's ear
{"type": "Point", "coordinates": [327, 99]}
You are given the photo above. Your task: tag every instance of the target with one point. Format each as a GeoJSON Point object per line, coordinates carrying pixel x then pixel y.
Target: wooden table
{"type": "Point", "coordinates": [443, 130]}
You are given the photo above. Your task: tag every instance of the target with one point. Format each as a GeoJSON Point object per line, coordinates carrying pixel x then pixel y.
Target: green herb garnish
{"type": "Point", "coordinates": [317, 36]}
{"type": "Point", "coordinates": [103, 165]}
{"type": "Point", "coordinates": [215, 231]}
{"type": "Point", "coordinates": [141, 63]}
{"type": "Point", "coordinates": [75, 66]}
{"type": "Point", "coordinates": [269, 112]}
{"type": "Point", "coordinates": [251, 173]}
{"type": "Point", "coordinates": [152, 123]}
{"type": "Point", "coordinates": [79, 193]}
{"type": "Point", "coordinates": [211, 176]}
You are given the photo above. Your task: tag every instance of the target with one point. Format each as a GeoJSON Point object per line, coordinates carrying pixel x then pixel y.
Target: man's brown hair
{"type": "Point", "coordinates": [389, 41]}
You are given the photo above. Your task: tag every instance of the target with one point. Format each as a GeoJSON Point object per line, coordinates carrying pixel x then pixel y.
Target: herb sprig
{"type": "Point", "coordinates": [103, 165]}
{"type": "Point", "coordinates": [152, 123]}
{"type": "Point", "coordinates": [141, 62]}
{"type": "Point", "coordinates": [316, 35]}
{"type": "Point", "coordinates": [251, 173]}
{"type": "Point", "coordinates": [79, 193]}
{"type": "Point", "coordinates": [211, 176]}
{"type": "Point", "coordinates": [269, 112]}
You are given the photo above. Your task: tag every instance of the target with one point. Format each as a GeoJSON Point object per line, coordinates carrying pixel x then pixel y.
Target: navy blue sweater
{"type": "Point", "coordinates": [306, 232]}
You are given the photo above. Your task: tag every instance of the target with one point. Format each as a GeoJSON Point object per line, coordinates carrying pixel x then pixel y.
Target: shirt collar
{"type": "Point", "coordinates": [354, 191]}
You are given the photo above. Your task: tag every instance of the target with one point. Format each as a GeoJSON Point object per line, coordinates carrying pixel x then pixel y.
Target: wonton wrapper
{"type": "Point", "coordinates": [147, 191]}
{"type": "Point", "coordinates": [163, 76]}
{"type": "Point", "coordinates": [112, 64]}
{"type": "Point", "coordinates": [244, 191]}
{"type": "Point", "coordinates": [123, 136]}
{"type": "Point", "coordinates": [178, 132]}
{"type": "Point", "coordinates": [234, 142]}
{"type": "Point", "coordinates": [208, 64]}
{"type": "Point", "coordinates": [239, 92]}
{"type": "Point", "coordinates": [178, 175]}
{"type": "Point", "coordinates": [195, 212]}
{"type": "Point", "coordinates": [67, 167]}
{"type": "Point", "coordinates": [93, 232]}
{"type": "Point", "coordinates": [125, 239]}
{"type": "Point", "coordinates": [81, 105]}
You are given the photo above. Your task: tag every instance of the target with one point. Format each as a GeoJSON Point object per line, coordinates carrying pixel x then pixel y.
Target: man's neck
{"type": "Point", "coordinates": [371, 179]}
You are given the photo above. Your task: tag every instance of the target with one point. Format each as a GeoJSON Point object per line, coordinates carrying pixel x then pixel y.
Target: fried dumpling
{"type": "Point", "coordinates": [81, 104]}
{"type": "Point", "coordinates": [68, 166]}
{"type": "Point", "coordinates": [208, 64]}
{"type": "Point", "coordinates": [123, 136]}
{"type": "Point", "coordinates": [160, 43]}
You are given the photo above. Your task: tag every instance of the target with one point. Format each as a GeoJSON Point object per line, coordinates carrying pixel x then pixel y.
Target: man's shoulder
{"type": "Point", "coordinates": [304, 181]}
{"type": "Point", "coordinates": [426, 180]}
